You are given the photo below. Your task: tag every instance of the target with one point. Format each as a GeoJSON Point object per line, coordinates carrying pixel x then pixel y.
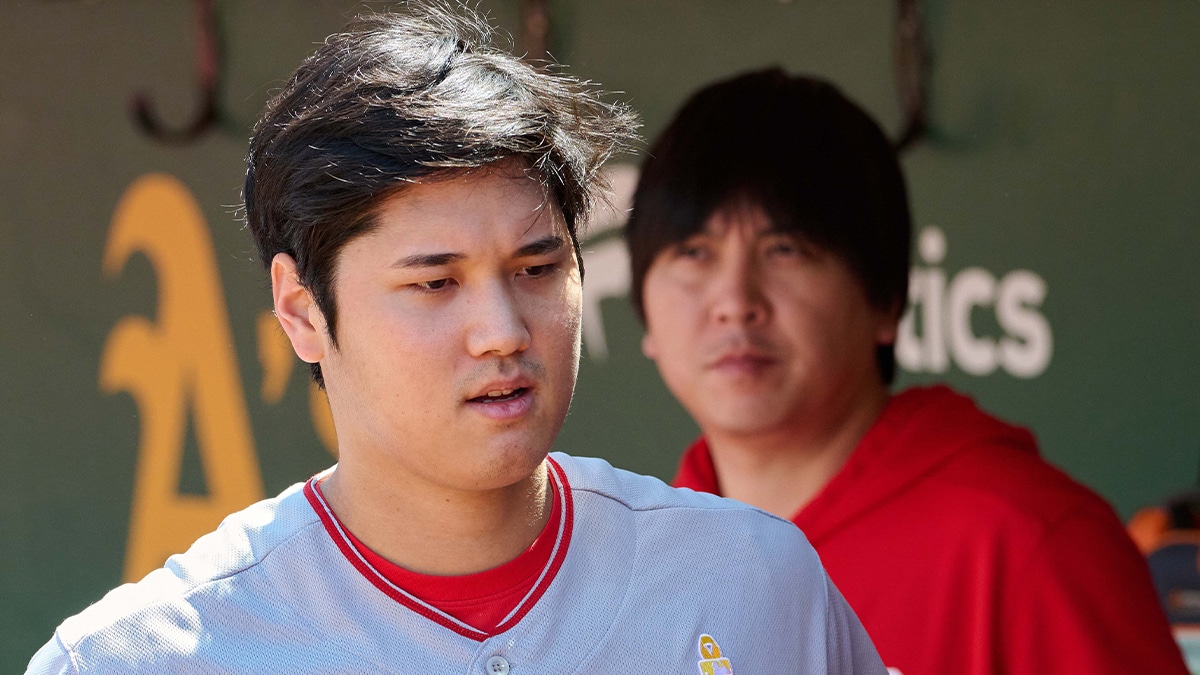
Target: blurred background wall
{"type": "Point", "coordinates": [144, 392]}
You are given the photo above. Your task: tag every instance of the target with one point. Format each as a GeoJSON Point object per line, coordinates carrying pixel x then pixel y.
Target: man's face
{"type": "Point", "coordinates": [760, 333]}
{"type": "Point", "coordinates": [458, 332]}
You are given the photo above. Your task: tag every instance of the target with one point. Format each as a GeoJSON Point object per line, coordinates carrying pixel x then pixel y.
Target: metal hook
{"type": "Point", "coordinates": [911, 53]}
{"type": "Point", "coordinates": [208, 67]}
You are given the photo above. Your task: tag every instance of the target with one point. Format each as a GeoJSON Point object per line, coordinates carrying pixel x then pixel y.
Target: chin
{"type": "Point", "coordinates": [746, 419]}
{"type": "Point", "coordinates": [508, 466]}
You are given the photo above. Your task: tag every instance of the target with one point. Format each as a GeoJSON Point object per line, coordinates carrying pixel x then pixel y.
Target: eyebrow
{"type": "Point", "coordinates": [542, 246]}
{"type": "Point", "coordinates": [548, 244]}
{"type": "Point", "coordinates": [428, 260]}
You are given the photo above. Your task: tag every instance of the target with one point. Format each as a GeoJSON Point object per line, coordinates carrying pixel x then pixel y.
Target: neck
{"type": "Point", "coordinates": [781, 470]}
{"type": "Point", "coordinates": [438, 531]}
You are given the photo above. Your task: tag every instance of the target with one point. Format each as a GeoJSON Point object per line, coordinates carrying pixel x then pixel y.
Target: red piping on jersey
{"type": "Point", "coordinates": [557, 556]}
{"type": "Point", "coordinates": [561, 543]}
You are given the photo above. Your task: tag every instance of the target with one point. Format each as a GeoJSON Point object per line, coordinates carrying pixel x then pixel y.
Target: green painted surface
{"type": "Point", "coordinates": [1065, 142]}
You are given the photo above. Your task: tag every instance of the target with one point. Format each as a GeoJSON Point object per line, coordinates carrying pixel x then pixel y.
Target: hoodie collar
{"type": "Point", "coordinates": [918, 431]}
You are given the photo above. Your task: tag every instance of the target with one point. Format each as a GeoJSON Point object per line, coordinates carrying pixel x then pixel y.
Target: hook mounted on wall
{"type": "Point", "coordinates": [911, 58]}
{"type": "Point", "coordinates": [208, 66]}
{"type": "Point", "coordinates": [535, 31]}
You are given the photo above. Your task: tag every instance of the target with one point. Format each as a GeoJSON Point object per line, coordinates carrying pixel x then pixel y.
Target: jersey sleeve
{"type": "Point", "coordinates": [1084, 603]}
{"type": "Point", "coordinates": [51, 659]}
{"type": "Point", "coordinates": [848, 649]}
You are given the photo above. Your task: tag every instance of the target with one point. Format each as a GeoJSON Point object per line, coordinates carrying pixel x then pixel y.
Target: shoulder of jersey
{"type": "Point", "coordinates": [647, 494]}
{"type": "Point", "coordinates": [689, 530]}
{"type": "Point", "coordinates": [242, 541]}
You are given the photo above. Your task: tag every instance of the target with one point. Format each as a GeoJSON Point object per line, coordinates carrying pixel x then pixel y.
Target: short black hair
{"type": "Point", "coordinates": [815, 162]}
{"type": "Point", "coordinates": [401, 97]}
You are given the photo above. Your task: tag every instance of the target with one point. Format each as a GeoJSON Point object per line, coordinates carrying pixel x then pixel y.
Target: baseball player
{"type": "Point", "coordinates": [415, 194]}
{"type": "Point", "coordinates": [770, 241]}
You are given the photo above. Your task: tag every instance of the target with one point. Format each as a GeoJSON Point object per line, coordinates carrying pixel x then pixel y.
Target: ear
{"type": "Point", "coordinates": [649, 346]}
{"type": "Point", "coordinates": [296, 310]}
{"type": "Point", "coordinates": [886, 333]}
{"type": "Point", "coordinates": [888, 324]}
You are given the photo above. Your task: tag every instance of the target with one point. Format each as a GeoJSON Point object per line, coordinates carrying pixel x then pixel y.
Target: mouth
{"type": "Point", "coordinates": [743, 363]}
{"type": "Point", "coordinates": [500, 395]}
{"type": "Point", "coordinates": [503, 403]}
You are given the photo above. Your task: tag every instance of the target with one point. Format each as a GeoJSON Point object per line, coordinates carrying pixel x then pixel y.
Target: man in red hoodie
{"type": "Point", "coordinates": [769, 241]}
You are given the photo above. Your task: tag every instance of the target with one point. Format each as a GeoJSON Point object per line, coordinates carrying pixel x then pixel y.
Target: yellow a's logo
{"type": "Point", "coordinates": [711, 662]}
{"type": "Point", "coordinates": [182, 362]}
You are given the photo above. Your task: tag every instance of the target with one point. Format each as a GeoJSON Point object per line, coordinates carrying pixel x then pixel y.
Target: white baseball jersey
{"type": "Point", "coordinates": [645, 579]}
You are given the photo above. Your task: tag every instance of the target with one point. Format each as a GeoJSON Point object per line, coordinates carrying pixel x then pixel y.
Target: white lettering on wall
{"type": "Point", "coordinates": [605, 258]}
{"type": "Point", "coordinates": [945, 332]}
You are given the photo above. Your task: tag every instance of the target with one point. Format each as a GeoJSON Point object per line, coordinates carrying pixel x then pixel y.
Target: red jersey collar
{"type": "Point", "coordinates": [466, 595]}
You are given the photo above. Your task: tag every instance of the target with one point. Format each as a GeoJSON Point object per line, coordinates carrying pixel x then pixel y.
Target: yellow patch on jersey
{"type": "Point", "coordinates": [711, 662]}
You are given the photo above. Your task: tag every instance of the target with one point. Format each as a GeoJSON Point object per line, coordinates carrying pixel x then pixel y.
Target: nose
{"type": "Point", "coordinates": [737, 293]}
{"type": "Point", "coordinates": [497, 324]}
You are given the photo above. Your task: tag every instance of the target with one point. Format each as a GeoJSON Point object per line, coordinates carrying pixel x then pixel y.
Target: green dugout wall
{"type": "Point", "coordinates": [1057, 199]}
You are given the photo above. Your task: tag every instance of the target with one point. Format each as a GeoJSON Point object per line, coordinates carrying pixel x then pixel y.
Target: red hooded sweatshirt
{"type": "Point", "coordinates": [964, 553]}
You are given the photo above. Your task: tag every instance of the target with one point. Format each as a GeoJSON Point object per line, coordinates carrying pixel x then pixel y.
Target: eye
{"type": "Point", "coordinates": [538, 270]}
{"type": "Point", "coordinates": [784, 246]}
{"type": "Point", "coordinates": [691, 250]}
{"type": "Point", "coordinates": [433, 285]}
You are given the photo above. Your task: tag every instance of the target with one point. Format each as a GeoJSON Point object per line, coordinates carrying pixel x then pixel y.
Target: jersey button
{"type": "Point", "coordinates": [497, 665]}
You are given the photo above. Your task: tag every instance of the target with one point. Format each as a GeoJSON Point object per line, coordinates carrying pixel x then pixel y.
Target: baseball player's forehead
{"type": "Point", "coordinates": [448, 220]}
